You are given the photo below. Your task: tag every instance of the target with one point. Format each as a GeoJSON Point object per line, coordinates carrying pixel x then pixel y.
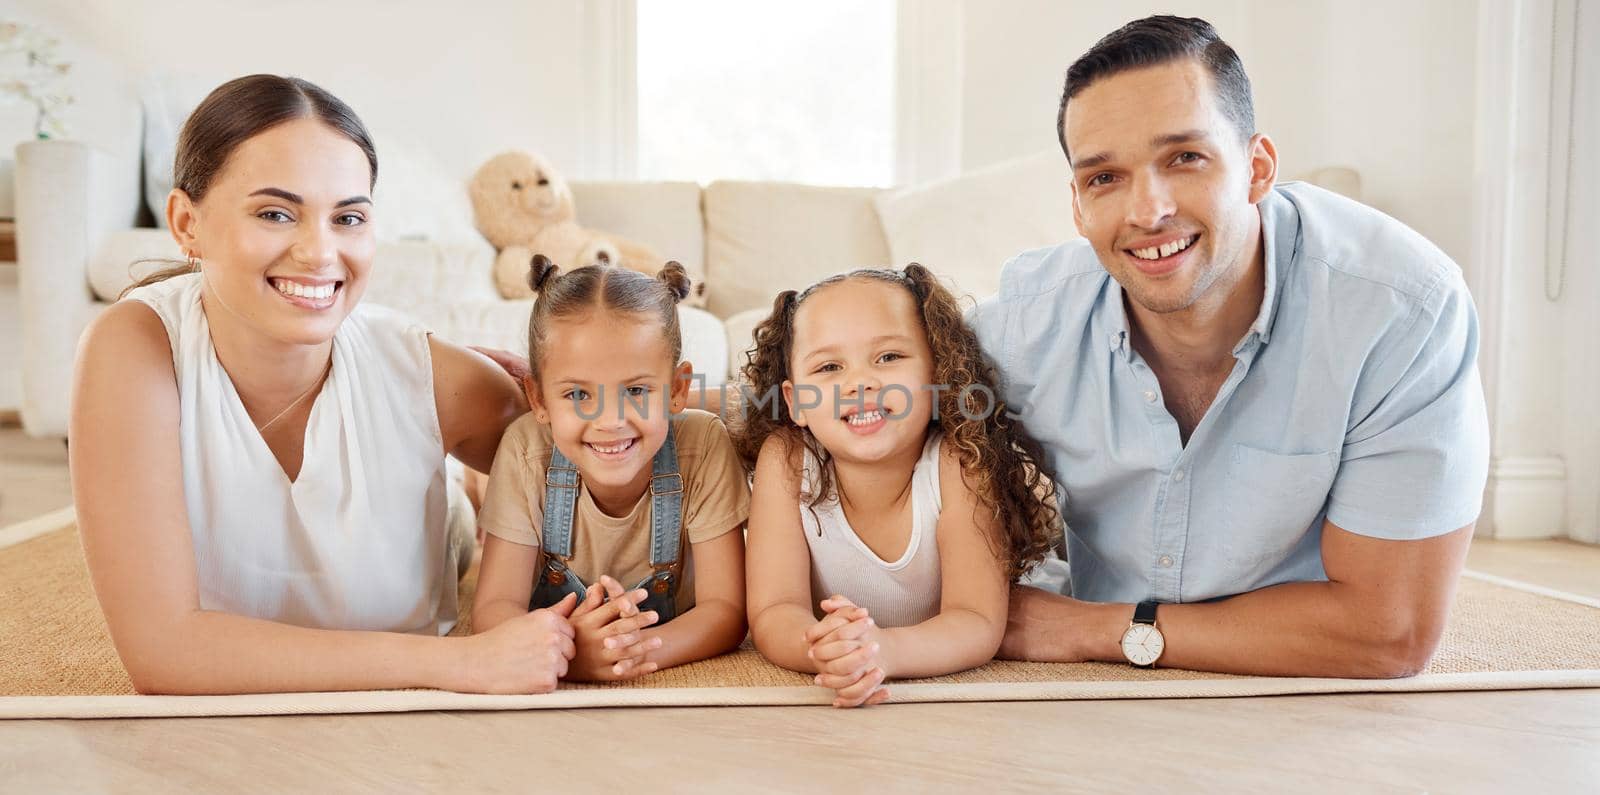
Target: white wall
{"type": "Point", "coordinates": [468, 80]}
{"type": "Point", "coordinates": [1383, 87]}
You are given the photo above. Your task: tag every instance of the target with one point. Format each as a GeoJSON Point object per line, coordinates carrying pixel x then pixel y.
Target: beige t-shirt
{"type": "Point", "coordinates": [716, 499]}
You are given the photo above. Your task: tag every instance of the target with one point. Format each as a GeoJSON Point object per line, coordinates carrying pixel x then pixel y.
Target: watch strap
{"type": "Point", "coordinates": [1145, 613]}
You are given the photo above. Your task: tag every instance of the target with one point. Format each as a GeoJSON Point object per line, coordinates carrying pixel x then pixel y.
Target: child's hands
{"type": "Point", "coordinates": [846, 645]}
{"type": "Point", "coordinates": [607, 637]}
{"type": "Point", "coordinates": [526, 654]}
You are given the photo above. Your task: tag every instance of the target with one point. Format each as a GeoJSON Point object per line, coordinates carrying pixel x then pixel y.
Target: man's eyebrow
{"type": "Point", "coordinates": [1102, 158]}
{"type": "Point", "coordinates": [1092, 161]}
{"type": "Point", "coordinates": [1179, 138]}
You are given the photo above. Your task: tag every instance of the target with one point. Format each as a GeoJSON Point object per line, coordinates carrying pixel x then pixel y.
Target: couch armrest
{"type": "Point", "coordinates": [69, 197]}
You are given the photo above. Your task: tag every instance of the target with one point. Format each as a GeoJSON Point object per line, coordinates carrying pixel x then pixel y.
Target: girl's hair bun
{"type": "Point", "coordinates": [542, 271]}
{"type": "Point", "coordinates": [676, 278]}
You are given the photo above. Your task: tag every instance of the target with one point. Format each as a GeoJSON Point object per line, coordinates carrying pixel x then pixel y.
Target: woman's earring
{"type": "Point", "coordinates": [194, 264]}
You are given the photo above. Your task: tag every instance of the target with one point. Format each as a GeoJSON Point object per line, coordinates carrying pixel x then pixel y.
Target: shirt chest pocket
{"type": "Point", "coordinates": [1276, 497]}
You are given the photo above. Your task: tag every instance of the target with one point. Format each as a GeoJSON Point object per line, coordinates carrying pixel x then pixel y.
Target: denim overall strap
{"type": "Point", "coordinates": [666, 531]}
{"type": "Point", "coordinates": [666, 503]}
{"type": "Point", "coordinates": [553, 579]}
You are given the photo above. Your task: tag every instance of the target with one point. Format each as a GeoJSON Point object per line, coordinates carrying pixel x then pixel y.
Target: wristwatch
{"type": "Point", "coordinates": [1142, 641]}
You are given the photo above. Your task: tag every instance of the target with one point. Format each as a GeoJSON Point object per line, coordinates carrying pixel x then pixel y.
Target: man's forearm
{"type": "Point", "coordinates": [1295, 629]}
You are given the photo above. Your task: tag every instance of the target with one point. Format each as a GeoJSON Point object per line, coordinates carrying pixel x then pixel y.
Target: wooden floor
{"type": "Point", "coordinates": [1534, 741]}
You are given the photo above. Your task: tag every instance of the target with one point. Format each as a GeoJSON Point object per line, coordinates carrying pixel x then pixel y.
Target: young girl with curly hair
{"type": "Point", "coordinates": [895, 500]}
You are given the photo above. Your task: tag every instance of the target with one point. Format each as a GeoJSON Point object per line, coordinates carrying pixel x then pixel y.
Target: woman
{"type": "Point", "coordinates": [258, 461]}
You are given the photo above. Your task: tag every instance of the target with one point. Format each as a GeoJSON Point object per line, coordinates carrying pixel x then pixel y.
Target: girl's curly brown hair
{"type": "Point", "coordinates": [1004, 463]}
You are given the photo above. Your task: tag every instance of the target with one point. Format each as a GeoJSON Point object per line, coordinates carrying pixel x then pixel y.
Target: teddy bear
{"type": "Point", "coordinates": [524, 207]}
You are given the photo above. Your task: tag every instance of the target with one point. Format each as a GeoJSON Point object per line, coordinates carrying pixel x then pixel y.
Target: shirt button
{"type": "Point", "coordinates": [1166, 561]}
{"type": "Point", "coordinates": [1177, 477]}
{"type": "Point", "coordinates": [1149, 396]}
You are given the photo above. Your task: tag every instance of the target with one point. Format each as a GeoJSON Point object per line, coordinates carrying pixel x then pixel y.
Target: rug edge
{"type": "Point", "coordinates": [384, 701]}
{"type": "Point", "coordinates": [29, 529]}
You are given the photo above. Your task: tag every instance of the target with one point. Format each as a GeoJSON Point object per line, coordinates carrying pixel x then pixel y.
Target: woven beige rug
{"type": "Point", "coordinates": [56, 658]}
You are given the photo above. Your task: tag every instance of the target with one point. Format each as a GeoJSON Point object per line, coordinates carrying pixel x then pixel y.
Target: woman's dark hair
{"type": "Point", "coordinates": [1157, 40]}
{"type": "Point", "coordinates": [239, 110]}
{"type": "Point", "coordinates": [608, 288]}
{"type": "Point", "coordinates": [1004, 464]}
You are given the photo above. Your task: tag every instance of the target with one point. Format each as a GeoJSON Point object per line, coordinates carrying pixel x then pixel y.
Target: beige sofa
{"type": "Point", "coordinates": [77, 236]}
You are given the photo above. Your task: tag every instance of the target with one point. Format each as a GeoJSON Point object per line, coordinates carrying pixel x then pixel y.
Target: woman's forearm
{"type": "Point", "coordinates": [216, 653]}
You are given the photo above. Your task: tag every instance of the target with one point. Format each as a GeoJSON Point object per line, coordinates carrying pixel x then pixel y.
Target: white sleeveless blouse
{"type": "Point", "coordinates": [899, 593]}
{"type": "Point", "coordinates": [359, 540]}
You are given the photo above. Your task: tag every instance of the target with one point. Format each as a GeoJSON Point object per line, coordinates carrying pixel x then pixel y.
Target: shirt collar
{"type": "Point", "coordinates": [1280, 232]}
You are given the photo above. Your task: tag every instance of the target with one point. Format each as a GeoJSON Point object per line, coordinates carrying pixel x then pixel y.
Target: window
{"type": "Point", "coordinates": [730, 89]}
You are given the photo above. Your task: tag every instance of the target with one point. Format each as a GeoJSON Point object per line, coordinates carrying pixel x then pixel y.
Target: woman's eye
{"type": "Point", "coordinates": [350, 219]}
{"type": "Point", "coordinates": [275, 216]}
{"type": "Point", "coordinates": [827, 368]}
{"type": "Point", "coordinates": [577, 395]}
{"type": "Point", "coordinates": [891, 357]}
{"type": "Point", "coordinates": [638, 391]}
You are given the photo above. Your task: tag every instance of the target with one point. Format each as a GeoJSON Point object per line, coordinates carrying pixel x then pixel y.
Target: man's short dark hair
{"type": "Point", "coordinates": [1157, 40]}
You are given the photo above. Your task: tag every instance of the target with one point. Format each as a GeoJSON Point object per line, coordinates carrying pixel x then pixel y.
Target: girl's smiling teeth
{"type": "Point", "coordinates": [865, 417]}
{"type": "Point", "coordinates": [611, 449]}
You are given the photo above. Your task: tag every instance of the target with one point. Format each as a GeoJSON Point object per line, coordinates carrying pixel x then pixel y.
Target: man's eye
{"type": "Point", "coordinates": [1100, 179]}
{"type": "Point", "coordinates": [1188, 157]}
{"type": "Point", "coordinates": [275, 216]}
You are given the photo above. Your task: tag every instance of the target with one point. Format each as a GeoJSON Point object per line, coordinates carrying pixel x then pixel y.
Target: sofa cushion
{"type": "Point", "coordinates": [662, 215]}
{"type": "Point", "coordinates": [765, 237]}
{"type": "Point", "coordinates": [966, 227]}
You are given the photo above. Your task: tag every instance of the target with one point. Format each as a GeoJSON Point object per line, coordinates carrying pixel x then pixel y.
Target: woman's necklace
{"type": "Point", "coordinates": [314, 385]}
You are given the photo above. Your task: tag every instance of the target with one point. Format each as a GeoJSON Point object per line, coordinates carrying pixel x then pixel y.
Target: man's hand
{"type": "Point", "coordinates": [609, 645]}
{"type": "Point", "coordinates": [1046, 627]}
{"type": "Point", "coordinates": [847, 646]}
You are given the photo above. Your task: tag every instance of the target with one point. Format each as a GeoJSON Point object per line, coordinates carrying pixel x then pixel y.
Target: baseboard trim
{"type": "Point", "coordinates": [1529, 497]}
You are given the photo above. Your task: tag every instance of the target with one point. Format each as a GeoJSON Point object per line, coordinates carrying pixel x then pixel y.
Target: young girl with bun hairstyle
{"type": "Point", "coordinates": [609, 501]}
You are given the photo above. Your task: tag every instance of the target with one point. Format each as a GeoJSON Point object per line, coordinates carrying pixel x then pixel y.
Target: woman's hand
{"type": "Point", "coordinates": [847, 647]}
{"type": "Point", "coordinates": [608, 642]}
{"type": "Point", "coordinates": [514, 365]}
{"type": "Point", "coordinates": [526, 654]}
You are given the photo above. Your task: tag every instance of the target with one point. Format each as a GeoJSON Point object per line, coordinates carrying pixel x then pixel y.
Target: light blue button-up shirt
{"type": "Point", "coordinates": [1354, 397]}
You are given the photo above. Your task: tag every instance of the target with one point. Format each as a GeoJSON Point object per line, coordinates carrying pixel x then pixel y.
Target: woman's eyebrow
{"type": "Point", "coordinates": [295, 198]}
{"type": "Point", "coordinates": [280, 193]}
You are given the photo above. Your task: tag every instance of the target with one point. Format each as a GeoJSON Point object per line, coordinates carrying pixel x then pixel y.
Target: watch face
{"type": "Point", "coordinates": [1142, 644]}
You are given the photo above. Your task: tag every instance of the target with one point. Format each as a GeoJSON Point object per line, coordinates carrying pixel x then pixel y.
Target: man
{"type": "Point", "coordinates": [1262, 402]}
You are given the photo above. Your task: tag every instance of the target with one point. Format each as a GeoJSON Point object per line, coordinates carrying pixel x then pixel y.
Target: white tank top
{"type": "Point", "coordinates": [897, 593]}
{"type": "Point", "coordinates": [359, 539]}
